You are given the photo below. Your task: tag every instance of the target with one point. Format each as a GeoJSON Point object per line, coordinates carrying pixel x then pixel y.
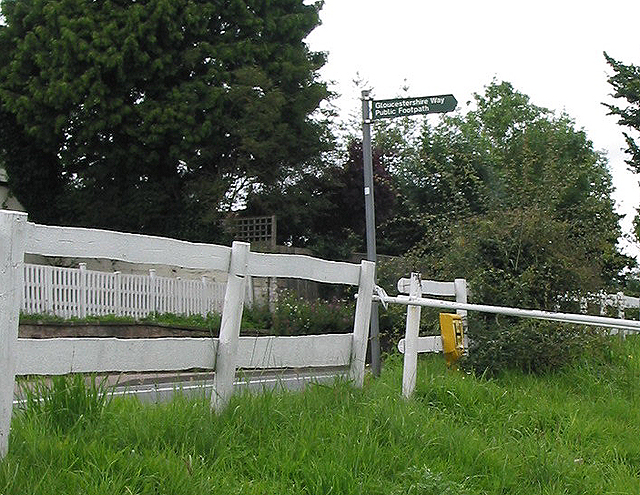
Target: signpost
{"type": "Point", "coordinates": [376, 110]}
{"type": "Point", "coordinates": [405, 107]}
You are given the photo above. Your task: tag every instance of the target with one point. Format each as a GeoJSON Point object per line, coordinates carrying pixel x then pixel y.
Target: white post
{"type": "Point", "coordinates": [12, 242]}
{"type": "Point", "coordinates": [410, 368]}
{"type": "Point", "coordinates": [117, 293]}
{"type": "Point", "coordinates": [153, 291]}
{"type": "Point", "coordinates": [82, 291]}
{"type": "Point", "coordinates": [226, 356]}
{"type": "Point", "coordinates": [250, 290]}
{"type": "Point", "coordinates": [584, 305]}
{"type": "Point", "coordinates": [620, 305]}
{"type": "Point", "coordinates": [460, 285]}
{"type": "Point", "coordinates": [202, 301]}
{"type": "Point", "coordinates": [178, 296]}
{"type": "Point", "coordinates": [272, 292]}
{"type": "Point", "coordinates": [361, 322]}
{"type": "Point", "coordinates": [47, 277]}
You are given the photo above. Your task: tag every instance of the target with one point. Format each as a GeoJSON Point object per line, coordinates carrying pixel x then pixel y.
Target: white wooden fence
{"type": "Point", "coordinates": [224, 354]}
{"type": "Point", "coordinates": [78, 292]}
{"type": "Point", "coordinates": [413, 344]}
{"type": "Point", "coordinates": [618, 301]}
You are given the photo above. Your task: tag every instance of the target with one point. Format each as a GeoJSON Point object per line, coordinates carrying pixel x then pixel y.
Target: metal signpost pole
{"type": "Point", "coordinates": [387, 109]}
{"type": "Point", "coordinates": [370, 220]}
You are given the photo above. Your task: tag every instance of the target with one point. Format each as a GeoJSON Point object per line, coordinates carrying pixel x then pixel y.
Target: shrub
{"type": "Point", "coordinates": [295, 315]}
{"type": "Point", "coordinates": [257, 317]}
{"type": "Point", "coordinates": [532, 346]}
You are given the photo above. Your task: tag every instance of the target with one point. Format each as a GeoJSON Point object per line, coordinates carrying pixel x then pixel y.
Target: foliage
{"type": "Point", "coordinates": [544, 221]}
{"type": "Point", "coordinates": [323, 206]}
{"type": "Point", "coordinates": [562, 433]}
{"type": "Point", "coordinates": [626, 85]}
{"type": "Point", "coordinates": [295, 315]}
{"type": "Point", "coordinates": [149, 116]}
{"type": "Point", "coordinates": [257, 317]}
{"type": "Point", "coordinates": [210, 321]}
{"type": "Point", "coordinates": [531, 346]}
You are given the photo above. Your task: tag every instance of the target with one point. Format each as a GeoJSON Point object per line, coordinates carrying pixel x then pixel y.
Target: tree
{"type": "Point", "coordinates": [322, 207]}
{"type": "Point", "coordinates": [531, 214]}
{"type": "Point", "coordinates": [143, 115]}
{"type": "Point", "coordinates": [626, 85]}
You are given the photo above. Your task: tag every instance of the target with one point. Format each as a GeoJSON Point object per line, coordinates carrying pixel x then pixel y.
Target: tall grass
{"type": "Point", "coordinates": [571, 432]}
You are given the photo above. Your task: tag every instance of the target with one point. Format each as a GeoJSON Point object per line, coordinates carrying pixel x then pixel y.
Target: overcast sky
{"type": "Point", "coordinates": [549, 50]}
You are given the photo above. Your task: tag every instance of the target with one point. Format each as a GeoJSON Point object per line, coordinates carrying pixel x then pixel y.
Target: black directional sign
{"type": "Point", "coordinates": [405, 107]}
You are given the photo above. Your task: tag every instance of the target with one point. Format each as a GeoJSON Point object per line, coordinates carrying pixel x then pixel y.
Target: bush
{"type": "Point", "coordinates": [257, 317]}
{"type": "Point", "coordinates": [532, 346]}
{"type": "Point", "coordinates": [295, 315]}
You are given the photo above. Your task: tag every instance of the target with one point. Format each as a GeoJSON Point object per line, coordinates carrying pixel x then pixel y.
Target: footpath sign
{"type": "Point", "coordinates": [385, 109]}
{"type": "Point", "coordinates": [405, 107]}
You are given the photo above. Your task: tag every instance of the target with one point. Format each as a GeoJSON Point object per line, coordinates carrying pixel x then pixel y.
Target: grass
{"type": "Point", "coordinates": [570, 432]}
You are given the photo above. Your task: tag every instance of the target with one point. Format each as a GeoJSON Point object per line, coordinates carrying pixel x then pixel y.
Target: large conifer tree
{"type": "Point", "coordinates": [141, 115]}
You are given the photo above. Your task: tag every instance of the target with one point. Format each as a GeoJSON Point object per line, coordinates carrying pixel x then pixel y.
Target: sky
{"type": "Point", "coordinates": [549, 50]}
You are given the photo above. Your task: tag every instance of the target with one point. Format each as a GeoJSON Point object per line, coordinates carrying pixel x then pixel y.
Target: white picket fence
{"type": "Point", "coordinates": [223, 355]}
{"type": "Point", "coordinates": [78, 292]}
{"type": "Point", "coordinates": [617, 301]}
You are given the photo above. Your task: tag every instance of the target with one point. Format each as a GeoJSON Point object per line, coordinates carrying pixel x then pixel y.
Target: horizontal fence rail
{"type": "Point", "coordinates": [78, 242]}
{"type": "Point", "coordinates": [599, 321]}
{"type": "Point", "coordinates": [78, 292]}
{"type": "Point", "coordinates": [60, 356]}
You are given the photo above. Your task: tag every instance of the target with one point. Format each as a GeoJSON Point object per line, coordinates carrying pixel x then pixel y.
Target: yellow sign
{"type": "Point", "coordinates": [452, 337]}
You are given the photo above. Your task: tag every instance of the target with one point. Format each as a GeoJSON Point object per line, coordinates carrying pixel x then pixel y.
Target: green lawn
{"type": "Point", "coordinates": [572, 432]}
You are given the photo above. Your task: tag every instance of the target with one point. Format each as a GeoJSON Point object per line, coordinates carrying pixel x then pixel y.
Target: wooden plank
{"type": "Point", "coordinates": [412, 327]}
{"type": "Point", "coordinates": [431, 343]}
{"type": "Point", "coordinates": [227, 354]}
{"type": "Point", "coordinates": [100, 355]}
{"type": "Point", "coordinates": [361, 323]}
{"type": "Point", "coordinates": [580, 319]}
{"type": "Point", "coordinates": [431, 287]}
{"type": "Point", "coordinates": [300, 266]}
{"type": "Point", "coordinates": [88, 355]}
{"type": "Point", "coordinates": [73, 242]}
{"type": "Point", "coordinates": [294, 352]}
{"type": "Point", "coordinates": [12, 242]}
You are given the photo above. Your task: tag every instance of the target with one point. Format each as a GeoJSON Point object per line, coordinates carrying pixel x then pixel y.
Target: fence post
{"type": "Point", "coordinates": [12, 243]}
{"type": "Point", "coordinates": [203, 300]}
{"type": "Point", "coordinates": [460, 285]}
{"type": "Point", "coordinates": [361, 321]}
{"type": "Point", "coordinates": [82, 290]}
{"type": "Point", "coordinates": [620, 304]}
{"type": "Point", "coordinates": [178, 295]}
{"type": "Point", "coordinates": [47, 278]}
{"type": "Point", "coordinates": [226, 355]}
{"type": "Point", "coordinates": [153, 291]}
{"type": "Point", "coordinates": [117, 293]}
{"type": "Point", "coordinates": [410, 368]}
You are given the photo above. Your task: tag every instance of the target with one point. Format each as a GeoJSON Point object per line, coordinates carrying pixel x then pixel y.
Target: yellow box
{"type": "Point", "coordinates": [452, 336]}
